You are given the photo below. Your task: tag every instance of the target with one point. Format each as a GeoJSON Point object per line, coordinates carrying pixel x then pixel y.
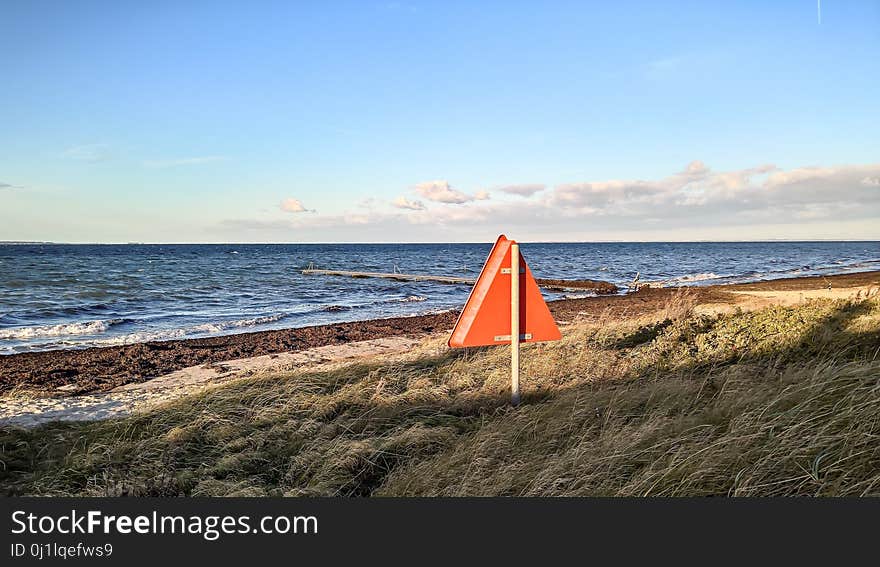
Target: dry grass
{"type": "Point", "coordinates": [782, 401]}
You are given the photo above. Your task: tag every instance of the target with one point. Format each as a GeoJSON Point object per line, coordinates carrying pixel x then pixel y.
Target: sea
{"type": "Point", "coordinates": [65, 296]}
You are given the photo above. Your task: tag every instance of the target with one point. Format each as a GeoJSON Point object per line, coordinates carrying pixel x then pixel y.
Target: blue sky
{"type": "Point", "coordinates": [438, 121]}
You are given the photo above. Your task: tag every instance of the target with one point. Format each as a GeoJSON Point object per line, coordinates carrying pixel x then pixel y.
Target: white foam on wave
{"type": "Point", "coordinates": [60, 330]}
{"type": "Point", "coordinates": [237, 324]}
{"type": "Point", "coordinates": [435, 311]}
{"type": "Point", "coordinates": [583, 295]}
{"type": "Point", "coordinates": [143, 337]}
{"type": "Point", "coordinates": [838, 266]}
{"type": "Point", "coordinates": [688, 279]}
{"type": "Point", "coordinates": [697, 277]}
{"type": "Point", "coordinates": [412, 298]}
{"type": "Point", "coordinates": [203, 329]}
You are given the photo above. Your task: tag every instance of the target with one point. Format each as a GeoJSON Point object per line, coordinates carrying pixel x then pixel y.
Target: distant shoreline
{"type": "Point", "coordinates": [387, 243]}
{"type": "Point", "coordinates": [100, 369]}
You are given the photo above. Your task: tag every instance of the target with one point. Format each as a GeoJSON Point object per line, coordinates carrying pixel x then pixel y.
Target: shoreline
{"type": "Point", "coordinates": [101, 369]}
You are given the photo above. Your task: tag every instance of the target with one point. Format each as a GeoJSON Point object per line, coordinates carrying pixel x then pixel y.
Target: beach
{"type": "Point", "coordinates": [60, 373]}
{"type": "Point", "coordinates": [638, 386]}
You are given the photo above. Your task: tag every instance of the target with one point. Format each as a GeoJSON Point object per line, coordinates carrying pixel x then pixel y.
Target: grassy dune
{"type": "Point", "coordinates": [781, 401]}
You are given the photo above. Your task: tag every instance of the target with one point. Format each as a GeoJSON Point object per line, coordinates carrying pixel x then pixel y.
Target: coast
{"type": "Point", "coordinates": [724, 391]}
{"type": "Point", "coordinates": [101, 369]}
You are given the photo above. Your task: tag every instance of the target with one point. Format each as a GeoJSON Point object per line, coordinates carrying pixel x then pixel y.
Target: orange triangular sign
{"type": "Point", "coordinates": [485, 319]}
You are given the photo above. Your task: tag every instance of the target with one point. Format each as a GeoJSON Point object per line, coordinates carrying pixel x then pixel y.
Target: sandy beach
{"type": "Point", "coordinates": [62, 373]}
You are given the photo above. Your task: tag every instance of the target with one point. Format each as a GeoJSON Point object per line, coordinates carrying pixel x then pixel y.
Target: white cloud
{"type": "Point", "coordinates": [700, 191]}
{"type": "Point", "coordinates": [404, 203]}
{"type": "Point", "coordinates": [523, 190]}
{"type": "Point", "coordinates": [600, 196]}
{"type": "Point", "coordinates": [293, 206]}
{"type": "Point", "coordinates": [696, 167]}
{"type": "Point", "coordinates": [798, 175]}
{"type": "Point", "coordinates": [481, 195]}
{"type": "Point", "coordinates": [871, 181]}
{"type": "Point", "coordinates": [441, 192]}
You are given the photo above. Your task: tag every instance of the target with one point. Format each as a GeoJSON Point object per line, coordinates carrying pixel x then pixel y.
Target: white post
{"type": "Point", "coordinates": [514, 324]}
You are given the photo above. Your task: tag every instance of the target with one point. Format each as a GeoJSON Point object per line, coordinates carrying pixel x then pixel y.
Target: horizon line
{"type": "Point", "coordinates": [310, 243]}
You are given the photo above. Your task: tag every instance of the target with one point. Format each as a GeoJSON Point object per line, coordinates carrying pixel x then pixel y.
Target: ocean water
{"type": "Point", "coordinates": [74, 296]}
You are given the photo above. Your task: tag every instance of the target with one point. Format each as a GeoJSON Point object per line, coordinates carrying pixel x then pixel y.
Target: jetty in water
{"type": "Point", "coordinates": [598, 287]}
{"type": "Point", "coordinates": [391, 276]}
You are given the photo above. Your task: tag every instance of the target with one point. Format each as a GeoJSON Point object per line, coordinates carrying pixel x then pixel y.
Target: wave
{"type": "Point", "coordinates": [60, 330]}
{"type": "Point", "coordinates": [698, 277]}
{"type": "Point", "coordinates": [690, 278]}
{"type": "Point", "coordinates": [578, 295]}
{"type": "Point", "coordinates": [180, 333]}
{"type": "Point", "coordinates": [237, 324]}
{"type": "Point", "coordinates": [410, 299]}
{"type": "Point", "coordinates": [839, 266]}
{"type": "Point", "coordinates": [333, 307]}
{"type": "Point", "coordinates": [435, 311]}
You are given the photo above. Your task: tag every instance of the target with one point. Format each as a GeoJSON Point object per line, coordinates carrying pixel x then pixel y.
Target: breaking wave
{"type": "Point", "coordinates": [203, 329]}
{"type": "Point", "coordinates": [584, 295]}
{"type": "Point", "coordinates": [411, 299]}
{"type": "Point", "coordinates": [237, 324]}
{"type": "Point", "coordinates": [61, 330]}
{"type": "Point", "coordinates": [697, 277]}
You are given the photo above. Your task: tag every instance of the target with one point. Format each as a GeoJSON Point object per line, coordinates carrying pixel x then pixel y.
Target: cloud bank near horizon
{"type": "Point", "coordinates": [695, 198]}
{"type": "Point", "coordinates": [523, 190]}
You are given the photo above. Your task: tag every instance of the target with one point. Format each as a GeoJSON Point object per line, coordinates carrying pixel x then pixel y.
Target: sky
{"type": "Point", "coordinates": [439, 121]}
